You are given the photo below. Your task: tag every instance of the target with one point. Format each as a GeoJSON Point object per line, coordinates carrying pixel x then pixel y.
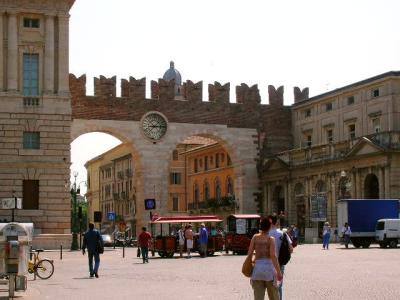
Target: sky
{"type": "Point", "coordinates": [320, 44]}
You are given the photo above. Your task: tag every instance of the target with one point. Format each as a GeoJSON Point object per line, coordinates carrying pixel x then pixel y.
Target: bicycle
{"type": "Point", "coordinates": [43, 268]}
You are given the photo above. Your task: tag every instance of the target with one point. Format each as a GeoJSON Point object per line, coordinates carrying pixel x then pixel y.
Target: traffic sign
{"type": "Point", "coordinates": [111, 216]}
{"type": "Point", "coordinates": [9, 203]}
{"type": "Point", "coordinates": [149, 204]}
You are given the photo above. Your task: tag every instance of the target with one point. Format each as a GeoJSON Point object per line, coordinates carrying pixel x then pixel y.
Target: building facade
{"type": "Point", "coordinates": [112, 189]}
{"type": "Point", "coordinates": [35, 115]}
{"type": "Point", "coordinates": [346, 145]}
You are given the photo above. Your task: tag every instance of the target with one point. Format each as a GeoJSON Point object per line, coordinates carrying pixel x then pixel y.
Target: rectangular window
{"type": "Point", "coordinates": [217, 160]}
{"type": "Point", "coordinates": [350, 100]}
{"type": "Point", "coordinates": [309, 141]}
{"type": "Point", "coordinates": [31, 75]}
{"type": "Point", "coordinates": [307, 113]}
{"type": "Point", "coordinates": [31, 23]}
{"type": "Point", "coordinates": [375, 93]}
{"type": "Point", "coordinates": [196, 167]}
{"type": "Point", "coordinates": [206, 163]}
{"type": "Point", "coordinates": [328, 106]}
{"type": "Point", "coordinates": [175, 178]}
{"type": "Point", "coordinates": [31, 140]}
{"type": "Point", "coordinates": [175, 203]}
{"type": "Point", "coordinates": [329, 135]}
{"type": "Point", "coordinates": [376, 125]}
{"type": "Point", "coordinates": [30, 190]}
{"type": "Point", "coordinates": [352, 131]}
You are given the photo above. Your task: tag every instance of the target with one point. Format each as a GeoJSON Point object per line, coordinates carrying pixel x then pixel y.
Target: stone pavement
{"type": "Point", "coordinates": [311, 274]}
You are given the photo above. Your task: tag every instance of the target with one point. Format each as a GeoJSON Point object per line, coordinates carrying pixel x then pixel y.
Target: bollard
{"type": "Point", "coordinates": [123, 250]}
{"type": "Point", "coordinates": [60, 252]}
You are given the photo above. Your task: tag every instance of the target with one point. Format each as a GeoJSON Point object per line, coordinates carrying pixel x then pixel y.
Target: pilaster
{"type": "Point", "coordinates": [49, 56]}
{"type": "Point", "coordinates": [12, 57]}
{"type": "Point", "coordinates": [63, 46]}
{"type": "Point", "coordinates": [1, 52]}
{"type": "Point", "coordinates": [381, 180]}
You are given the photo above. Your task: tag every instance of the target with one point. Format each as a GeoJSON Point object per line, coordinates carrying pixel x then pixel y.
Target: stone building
{"type": "Point", "coordinates": [345, 145]}
{"type": "Point", "coordinates": [112, 187]}
{"type": "Point", "coordinates": [35, 114]}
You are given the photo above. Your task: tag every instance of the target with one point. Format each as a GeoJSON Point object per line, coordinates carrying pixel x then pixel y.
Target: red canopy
{"type": "Point", "coordinates": [246, 216]}
{"type": "Point", "coordinates": [186, 219]}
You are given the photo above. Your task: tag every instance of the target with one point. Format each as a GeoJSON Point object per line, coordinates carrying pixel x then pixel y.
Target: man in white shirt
{"type": "Point", "coordinates": [346, 231]}
{"type": "Point", "coordinates": [277, 234]}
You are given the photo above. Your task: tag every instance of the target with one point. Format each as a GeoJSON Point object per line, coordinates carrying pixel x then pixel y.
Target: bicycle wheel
{"type": "Point", "coordinates": [44, 269]}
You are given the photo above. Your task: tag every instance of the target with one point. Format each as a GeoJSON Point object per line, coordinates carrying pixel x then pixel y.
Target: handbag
{"type": "Point", "coordinates": [99, 247]}
{"type": "Point", "coordinates": [248, 266]}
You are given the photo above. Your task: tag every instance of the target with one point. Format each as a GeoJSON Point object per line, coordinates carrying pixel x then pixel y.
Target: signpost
{"type": "Point", "coordinates": [111, 216]}
{"type": "Point", "coordinates": [318, 208]}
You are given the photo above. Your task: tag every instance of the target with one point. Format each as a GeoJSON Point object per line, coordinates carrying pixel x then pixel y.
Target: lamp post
{"type": "Point", "coordinates": [74, 191]}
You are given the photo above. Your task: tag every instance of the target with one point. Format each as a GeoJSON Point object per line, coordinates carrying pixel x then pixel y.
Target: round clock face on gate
{"type": "Point", "coordinates": [154, 126]}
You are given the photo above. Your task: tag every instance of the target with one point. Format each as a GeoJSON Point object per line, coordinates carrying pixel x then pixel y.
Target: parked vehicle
{"type": "Point", "coordinates": [241, 229]}
{"type": "Point", "coordinates": [388, 232]}
{"type": "Point", "coordinates": [166, 245]}
{"type": "Point", "coordinates": [362, 216]}
{"type": "Point", "coordinates": [107, 240]}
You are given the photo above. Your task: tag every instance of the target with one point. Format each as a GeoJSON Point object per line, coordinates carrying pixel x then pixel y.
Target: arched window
{"type": "Point", "coordinates": [195, 165]}
{"type": "Point", "coordinates": [229, 186]}
{"type": "Point", "coordinates": [206, 190]}
{"type": "Point", "coordinates": [217, 189]}
{"type": "Point", "coordinates": [320, 187]}
{"type": "Point", "coordinates": [196, 194]}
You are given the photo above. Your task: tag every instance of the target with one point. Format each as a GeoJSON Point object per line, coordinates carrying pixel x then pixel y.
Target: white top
{"type": "Point", "coordinates": [277, 234]}
{"type": "Point", "coordinates": [181, 236]}
{"type": "Point", "coordinates": [346, 231]}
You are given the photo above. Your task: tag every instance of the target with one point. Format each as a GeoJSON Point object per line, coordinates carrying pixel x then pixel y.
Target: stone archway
{"type": "Point", "coordinates": [278, 200]}
{"type": "Point", "coordinates": [371, 187]}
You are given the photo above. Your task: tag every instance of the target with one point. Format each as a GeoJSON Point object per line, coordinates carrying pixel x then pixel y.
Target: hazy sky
{"type": "Point", "coordinates": [318, 44]}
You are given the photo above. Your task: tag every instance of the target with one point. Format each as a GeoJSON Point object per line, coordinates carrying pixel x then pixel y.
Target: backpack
{"type": "Point", "coordinates": [284, 251]}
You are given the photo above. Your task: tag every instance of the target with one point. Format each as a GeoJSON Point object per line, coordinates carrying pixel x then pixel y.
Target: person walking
{"type": "Point", "coordinates": [346, 231]}
{"type": "Point", "coordinates": [326, 236]}
{"type": "Point", "coordinates": [144, 244]}
{"type": "Point", "coordinates": [181, 240]}
{"type": "Point", "coordinates": [266, 269]}
{"type": "Point", "coordinates": [189, 239]}
{"type": "Point", "coordinates": [278, 234]}
{"type": "Point", "coordinates": [203, 239]}
{"type": "Point", "coordinates": [93, 241]}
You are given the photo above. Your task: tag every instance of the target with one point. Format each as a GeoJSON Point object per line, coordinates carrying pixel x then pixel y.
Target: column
{"type": "Point", "coordinates": [388, 195]}
{"type": "Point", "coordinates": [332, 182]}
{"type": "Point", "coordinates": [265, 198]}
{"type": "Point", "coordinates": [269, 199]}
{"type": "Point", "coordinates": [63, 44]}
{"type": "Point", "coordinates": [353, 185]}
{"type": "Point", "coordinates": [1, 52]}
{"type": "Point", "coordinates": [290, 213]}
{"type": "Point", "coordinates": [49, 56]}
{"type": "Point", "coordinates": [12, 58]}
{"type": "Point", "coordinates": [381, 180]}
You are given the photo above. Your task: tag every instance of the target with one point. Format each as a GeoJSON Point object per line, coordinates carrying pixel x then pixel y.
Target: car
{"type": "Point", "coordinates": [107, 240]}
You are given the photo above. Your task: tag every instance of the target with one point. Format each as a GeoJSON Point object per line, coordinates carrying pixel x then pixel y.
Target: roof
{"type": "Point", "coordinates": [173, 74]}
{"type": "Point", "coordinates": [188, 219]}
{"type": "Point", "coordinates": [344, 88]}
{"type": "Point", "coordinates": [249, 216]}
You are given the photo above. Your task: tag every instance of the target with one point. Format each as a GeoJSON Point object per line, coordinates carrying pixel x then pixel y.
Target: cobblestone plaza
{"type": "Point", "coordinates": [311, 274]}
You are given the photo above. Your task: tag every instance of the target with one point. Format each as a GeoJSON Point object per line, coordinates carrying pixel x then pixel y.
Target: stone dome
{"type": "Point", "coordinates": [173, 73]}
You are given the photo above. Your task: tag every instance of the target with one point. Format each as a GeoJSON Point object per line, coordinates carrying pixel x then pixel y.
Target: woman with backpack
{"type": "Point", "coordinates": [266, 272]}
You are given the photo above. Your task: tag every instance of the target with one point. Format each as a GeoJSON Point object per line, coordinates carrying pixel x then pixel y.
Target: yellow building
{"type": "Point", "coordinates": [210, 180]}
{"type": "Point", "coordinates": [112, 188]}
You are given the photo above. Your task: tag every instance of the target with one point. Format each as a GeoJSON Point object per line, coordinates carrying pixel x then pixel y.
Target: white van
{"type": "Point", "coordinates": [387, 232]}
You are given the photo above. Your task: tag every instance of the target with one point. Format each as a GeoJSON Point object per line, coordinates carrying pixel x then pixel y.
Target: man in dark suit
{"type": "Point", "coordinates": [92, 240]}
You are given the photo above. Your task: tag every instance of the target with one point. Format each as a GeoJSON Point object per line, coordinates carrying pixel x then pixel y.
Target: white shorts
{"type": "Point", "coordinates": [189, 244]}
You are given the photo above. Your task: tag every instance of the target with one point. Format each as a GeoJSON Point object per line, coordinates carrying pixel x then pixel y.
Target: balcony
{"type": "Point", "coordinates": [124, 196]}
{"type": "Point", "coordinates": [115, 196]}
{"type": "Point", "coordinates": [120, 175]}
{"type": "Point", "coordinates": [337, 151]}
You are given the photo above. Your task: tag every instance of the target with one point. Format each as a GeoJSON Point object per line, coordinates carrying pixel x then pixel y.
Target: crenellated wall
{"type": "Point", "coordinates": [272, 120]}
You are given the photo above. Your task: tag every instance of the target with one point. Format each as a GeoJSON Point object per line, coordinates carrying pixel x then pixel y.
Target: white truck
{"type": "Point", "coordinates": [387, 232]}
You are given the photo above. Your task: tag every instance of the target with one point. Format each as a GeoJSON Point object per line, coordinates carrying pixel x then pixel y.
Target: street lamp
{"type": "Point", "coordinates": [74, 192]}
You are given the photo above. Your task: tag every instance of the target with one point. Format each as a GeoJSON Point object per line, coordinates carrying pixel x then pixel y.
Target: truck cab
{"type": "Point", "coordinates": [387, 232]}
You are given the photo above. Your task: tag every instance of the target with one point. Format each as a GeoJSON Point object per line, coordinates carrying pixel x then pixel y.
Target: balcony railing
{"type": "Point", "coordinates": [128, 172]}
{"type": "Point", "coordinates": [336, 151]}
{"type": "Point", "coordinates": [115, 196]}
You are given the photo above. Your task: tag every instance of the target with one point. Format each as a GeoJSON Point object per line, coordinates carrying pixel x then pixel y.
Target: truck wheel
{"type": "Point", "coordinates": [393, 243]}
{"type": "Point", "coordinates": [356, 243]}
{"type": "Point", "coordinates": [365, 244]}
{"type": "Point", "coordinates": [382, 245]}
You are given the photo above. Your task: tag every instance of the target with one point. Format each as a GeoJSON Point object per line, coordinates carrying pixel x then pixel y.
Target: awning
{"type": "Point", "coordinates": [246, 216]}
{"type": "Point", "coordinates": [188, 219]}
